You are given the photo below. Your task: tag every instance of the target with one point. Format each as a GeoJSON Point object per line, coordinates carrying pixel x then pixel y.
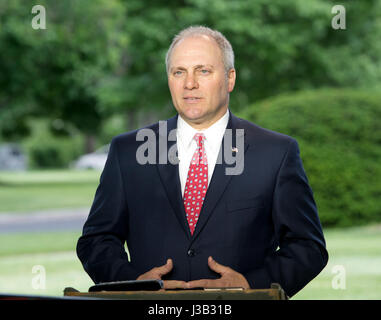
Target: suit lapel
{"type": "Point", "coordinates": [169, 173]}
{"type": "Point", "coordinates": [220, 179]}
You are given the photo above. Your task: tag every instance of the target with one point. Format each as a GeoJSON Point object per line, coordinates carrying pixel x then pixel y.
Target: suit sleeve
{"type": "Point", "coordinates": [298, 233]}
{"type": "Point", "coordinates": [101, 246]}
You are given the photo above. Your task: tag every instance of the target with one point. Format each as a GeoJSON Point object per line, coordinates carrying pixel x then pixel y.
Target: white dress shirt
{"type": "Point", "coordinates": [186, 145]}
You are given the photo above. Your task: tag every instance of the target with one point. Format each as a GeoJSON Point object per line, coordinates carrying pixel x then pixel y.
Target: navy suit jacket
{"type": "Point", "coordinates": [262, 223]}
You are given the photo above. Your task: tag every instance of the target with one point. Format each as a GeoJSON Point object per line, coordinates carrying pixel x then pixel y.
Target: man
{"type": "Point", "coordinates": [249, 229]}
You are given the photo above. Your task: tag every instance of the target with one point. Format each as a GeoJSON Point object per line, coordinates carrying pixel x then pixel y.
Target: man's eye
{"type": "Point", "coordinates": [204, 71]}
{"type": "Point", "coordinates": [177, 73]}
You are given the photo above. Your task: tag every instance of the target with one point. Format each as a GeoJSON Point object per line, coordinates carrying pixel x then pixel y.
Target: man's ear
{"type": "Point", "coordinates": [231, 79]}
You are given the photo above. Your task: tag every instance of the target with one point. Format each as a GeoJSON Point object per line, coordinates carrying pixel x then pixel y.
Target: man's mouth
{"type": "Point", "coordinates": [192, 99]}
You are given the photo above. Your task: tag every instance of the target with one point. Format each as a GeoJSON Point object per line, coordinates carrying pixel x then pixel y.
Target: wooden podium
{"type": "Point", "coordinates": [274, 293]}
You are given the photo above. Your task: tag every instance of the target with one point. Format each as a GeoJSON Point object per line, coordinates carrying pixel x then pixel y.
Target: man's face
{"type": "Point", "coordinates": [197, 81]}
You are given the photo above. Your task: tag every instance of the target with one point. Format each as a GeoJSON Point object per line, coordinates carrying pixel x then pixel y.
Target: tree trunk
{"type": "Point", "coordinates": [89, 143]}
{"type": "Point", "coordinates": [131, 120]}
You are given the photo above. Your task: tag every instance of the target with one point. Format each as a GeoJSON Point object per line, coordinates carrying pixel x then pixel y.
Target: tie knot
{"type": "Point", "coordinates": [199, 137]}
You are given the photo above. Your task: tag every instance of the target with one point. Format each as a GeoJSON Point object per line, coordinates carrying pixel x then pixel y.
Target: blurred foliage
{"type": "Point", "coordinates": [55, 72]}
{"type": "Point", "coordinates": [339, 134]}
{"type": "Point", "coordinates": [46, 150]}
{"type": "Point", "coordinates": [103, 57]}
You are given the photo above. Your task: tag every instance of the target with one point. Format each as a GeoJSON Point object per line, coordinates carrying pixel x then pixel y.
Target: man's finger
{"type": "Point", "coordinates": [173, 284]}
{"type": "Point", "coordinates": [215, 266]}
{"type": "Point", "coordinates": [202, 283]}
{"type": "Point", "coordinates": [164, 269]}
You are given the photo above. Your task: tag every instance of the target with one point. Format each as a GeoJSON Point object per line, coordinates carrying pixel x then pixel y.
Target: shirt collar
{"type": "Point", "coordinates": [213, 134]}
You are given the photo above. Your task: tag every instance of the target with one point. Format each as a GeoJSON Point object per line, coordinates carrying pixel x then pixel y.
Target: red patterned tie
{"type": "Point", "coordinates": [197, 183]}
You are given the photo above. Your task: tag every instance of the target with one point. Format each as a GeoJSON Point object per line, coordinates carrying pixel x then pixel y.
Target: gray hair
{"type": "Point", "coordinates": [222, 42]}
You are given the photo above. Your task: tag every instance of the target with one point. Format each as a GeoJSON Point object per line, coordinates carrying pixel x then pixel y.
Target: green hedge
{"type": "Point", "coordinates": [339, 135]}
{"type": "Point", "coordinates": [46, 150]}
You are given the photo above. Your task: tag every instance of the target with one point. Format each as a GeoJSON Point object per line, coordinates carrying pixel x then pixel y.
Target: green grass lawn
{"type": "Point", "coordinates": [39, 190]}
{"type": "Point", "coordinates": [55, 251]}
{"type": "Point", "coordinates": [356, 249]}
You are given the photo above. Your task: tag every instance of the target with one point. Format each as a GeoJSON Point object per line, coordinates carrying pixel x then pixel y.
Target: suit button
{"type": "Point", "coordinates": [191, 253]}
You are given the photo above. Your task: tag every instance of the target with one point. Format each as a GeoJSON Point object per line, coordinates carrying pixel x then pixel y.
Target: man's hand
{"type": "Point", "coordinates": [229, 278]}
{"type": "Point", "coordinates": [158, 272]}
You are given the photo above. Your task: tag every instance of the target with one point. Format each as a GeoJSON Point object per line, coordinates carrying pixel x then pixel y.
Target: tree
{"type": "Point", "coordinates": [102, 57]}
{"type": "Point", "coordinates": [55, 72]}
{"type": "Point", "coordinates": [279, 45]}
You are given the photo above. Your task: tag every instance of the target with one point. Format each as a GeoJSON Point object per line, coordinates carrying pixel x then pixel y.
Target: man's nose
{"type": "Point", "coordinates": [190, 82]}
